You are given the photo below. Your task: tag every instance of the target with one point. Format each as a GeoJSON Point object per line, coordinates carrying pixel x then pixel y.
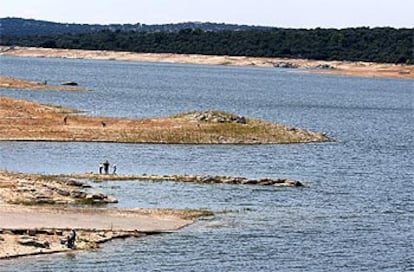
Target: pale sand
{"type": "Point", "coordinates": [141, 220]}
{"type": "Point", "coordinates": [367, 69]}
{"type": "Point", "coordinates": [93, 226]}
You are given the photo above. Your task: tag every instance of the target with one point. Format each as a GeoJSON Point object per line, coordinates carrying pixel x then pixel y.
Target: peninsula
{"type": "Point", "coordinates": [29, 121]}
{"type": "Point", "coordinates": [38, 211]}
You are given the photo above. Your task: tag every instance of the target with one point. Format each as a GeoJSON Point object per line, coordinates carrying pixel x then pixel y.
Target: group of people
{"type": "Point", "coordinates": [104, 168]}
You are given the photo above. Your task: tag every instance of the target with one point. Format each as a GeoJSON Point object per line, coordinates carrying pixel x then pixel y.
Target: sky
{"type": "Point", "coordinates": [276, 13]}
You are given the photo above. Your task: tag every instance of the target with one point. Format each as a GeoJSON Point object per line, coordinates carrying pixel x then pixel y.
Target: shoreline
{"type": "Point", "coordinates": [14, 83]}
{"type": "Point", "coordinates": [38, 211]}
{"type": "Point", "coordinates": [200, 179]}
{"type": "Point", "coordinates": [33, 230]}
{"type": "Point", "coordinates": [348, 68]}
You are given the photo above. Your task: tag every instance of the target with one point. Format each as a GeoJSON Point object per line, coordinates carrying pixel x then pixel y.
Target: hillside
{"type": "Point", "coordinates": [382, 45]}
{"type": "Point", "coordinates": [17, 27]}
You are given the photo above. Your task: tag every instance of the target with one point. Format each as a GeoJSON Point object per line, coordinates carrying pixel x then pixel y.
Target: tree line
{"type": "Point", "coordinates": [353, 44]}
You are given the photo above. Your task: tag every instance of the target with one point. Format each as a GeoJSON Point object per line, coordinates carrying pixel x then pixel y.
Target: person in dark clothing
{"type": "Point", "coordinates": [71, 239]}
{"type": "Point", "coordinates": [106, 167]}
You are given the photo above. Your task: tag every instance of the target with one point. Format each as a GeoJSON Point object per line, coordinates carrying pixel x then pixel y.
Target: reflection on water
{"type": "Point", "coordinates": [355, 213]}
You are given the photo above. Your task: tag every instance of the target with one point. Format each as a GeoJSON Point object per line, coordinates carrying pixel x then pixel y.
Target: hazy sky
{"type": "Point", "coordinates": [285, 13]}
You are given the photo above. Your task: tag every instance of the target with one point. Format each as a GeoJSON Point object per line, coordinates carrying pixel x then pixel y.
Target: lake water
{"type": "Point", "coordinates": [356, 212]}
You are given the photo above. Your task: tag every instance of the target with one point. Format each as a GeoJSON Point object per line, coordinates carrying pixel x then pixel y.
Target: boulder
{"type": "Point", "coordinates": [32, 241]}
{"type": "Point", "coordinates": [69, 83]}
{"type": "Point", "coordinates": [285, 65]}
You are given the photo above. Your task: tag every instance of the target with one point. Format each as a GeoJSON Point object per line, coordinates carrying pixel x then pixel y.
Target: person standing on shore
{"type": "Point", "coordinates": [114, 169]}
{"type": "Point", "coordinates": [100, 168]}
{"type": "Point", "coordinates": [106, 167]}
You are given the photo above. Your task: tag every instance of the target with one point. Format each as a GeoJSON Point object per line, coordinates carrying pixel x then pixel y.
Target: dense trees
{"type": "Point", "coordinates": [354, 44]}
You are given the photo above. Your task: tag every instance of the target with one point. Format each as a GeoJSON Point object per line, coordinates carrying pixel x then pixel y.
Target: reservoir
{"type": "Point", "coordinates": [356, 212]}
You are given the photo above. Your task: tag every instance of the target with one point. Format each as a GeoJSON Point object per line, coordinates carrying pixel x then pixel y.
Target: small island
{"type": "Point", "coordinates": [22, 120]}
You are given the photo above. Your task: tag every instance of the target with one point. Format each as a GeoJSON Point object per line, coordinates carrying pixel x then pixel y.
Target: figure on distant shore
{"type": "Point", "coordinates": [65, 120]}
{"type": "Point", "coordinates": [100, 168]}
{"type": "Point", "coordinates": [106, 167]}
{"type": "Point", "coordinates": [103, 124]}
{"type": "Point", "coordinates": [114, 169]}
{"type": "Point", "coordinates": [70, 239]}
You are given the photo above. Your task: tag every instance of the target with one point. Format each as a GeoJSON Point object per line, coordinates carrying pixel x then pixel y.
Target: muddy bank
{"type": "Point", "coordinates": [366, 69]}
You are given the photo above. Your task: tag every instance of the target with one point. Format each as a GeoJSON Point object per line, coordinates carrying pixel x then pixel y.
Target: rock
{"type": "Point", "coordinates": [324, 66]}
{"type": "Point", "coordinates": [76, 183]}
{"type": "Point", "coordinates": [265, 181]}
{"type": "Point", "coordinates": [250, 181]}
{"type": "Point", "coordinates": [62, 192]}
{"type": "Point", "coordinates": [294, 183]}
{"type": "Point", "coordinates": [97, 197]}
{"type": "Point", "coordinates": [29, 241]}
{"type": "Point", "coordinates": [285, 65]}
{"type": "Point", "coordinates": [69, 83]}
{"type": "Point", "coordinates": [111, 199]}
{"type": "Point", "coordinates": [78, 194]}
{"type": "Point", "coordinates": [215, 117]}
{"type": "Point", "coordinates": [31, 232]}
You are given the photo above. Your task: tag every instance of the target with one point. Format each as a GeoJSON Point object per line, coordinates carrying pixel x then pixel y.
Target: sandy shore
{"type": "Point", "coordinates": [366, 69]}
{"type": "Point", "coordinates": [39, 229]}
{"type": "Point", "coordinates": [46, 227]}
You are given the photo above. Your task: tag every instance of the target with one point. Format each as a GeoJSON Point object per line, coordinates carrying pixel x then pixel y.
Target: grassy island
{"type": "Point", "coordinates": [29, 121]}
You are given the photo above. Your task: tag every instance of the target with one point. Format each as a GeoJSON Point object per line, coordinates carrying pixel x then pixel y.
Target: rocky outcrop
{"type": "Point", "coordinates": [240, 180]}
{"type": "Point", "coordinates": [206, 179]}
{"type": "Point", "coordinates": [41, 189]}
{"type": "Point", "coordinates": [284, 64]}
{"type": "Point", "coordinates": [33, 241]}
{"type": "Point", "coordinates": [214, 117]}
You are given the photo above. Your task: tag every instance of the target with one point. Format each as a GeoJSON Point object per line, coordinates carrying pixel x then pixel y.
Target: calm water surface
{"type": "Point", "coordinates": [355, 214]}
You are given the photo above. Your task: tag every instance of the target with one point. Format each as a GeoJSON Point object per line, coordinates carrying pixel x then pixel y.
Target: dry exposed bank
{"type": "Point", "coordinates": [32, 229]}
{"type": "Point", "coordinates": [14, 83]}
{"type": "Point", "coordinates": [367, 69]}
{"type": "Point", "coordinates": [28, 121]}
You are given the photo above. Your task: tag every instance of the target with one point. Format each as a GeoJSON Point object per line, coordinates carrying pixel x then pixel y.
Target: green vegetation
{"type": "Point", "coordinates": [354, 44]}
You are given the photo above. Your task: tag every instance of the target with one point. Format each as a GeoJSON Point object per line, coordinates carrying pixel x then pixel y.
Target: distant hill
{"type": "Point", "coordinates": [383, 44]}
{"type": "Point", "coordinates": [15, 27]}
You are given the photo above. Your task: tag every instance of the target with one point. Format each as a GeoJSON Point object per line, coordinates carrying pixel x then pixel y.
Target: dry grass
{"type": "Point", "coordinates": [23, 120]}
